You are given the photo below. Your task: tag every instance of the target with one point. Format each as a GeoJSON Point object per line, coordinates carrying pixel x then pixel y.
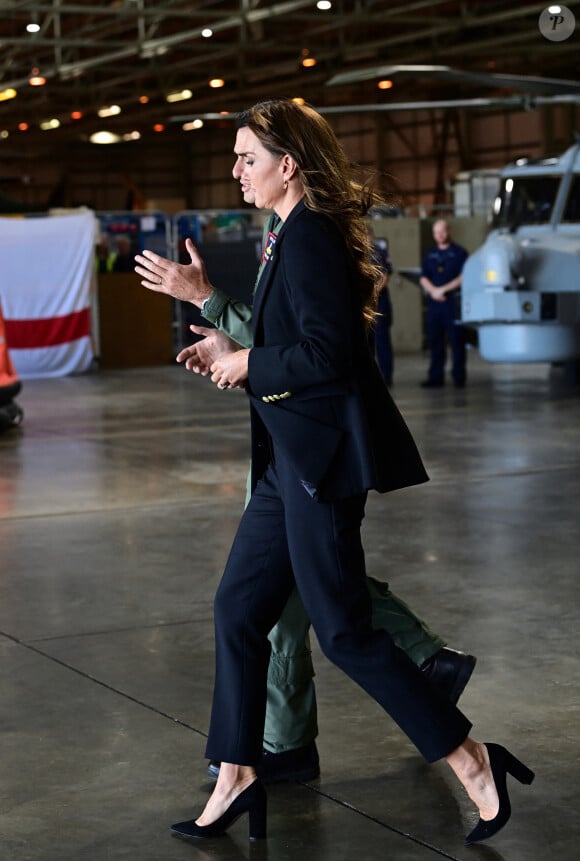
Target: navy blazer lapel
{"type": "Point", "coordinates": [267, 273]}
{"type": "Point", "coordinates": [264, 283]}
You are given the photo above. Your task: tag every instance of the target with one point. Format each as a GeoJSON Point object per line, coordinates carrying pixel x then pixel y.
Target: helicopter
{"type": "Point", "coordinates": [521, 288]}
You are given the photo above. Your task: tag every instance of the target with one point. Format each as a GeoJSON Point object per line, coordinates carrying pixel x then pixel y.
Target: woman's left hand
{"type": "Point", "coordinates": [231, 371]}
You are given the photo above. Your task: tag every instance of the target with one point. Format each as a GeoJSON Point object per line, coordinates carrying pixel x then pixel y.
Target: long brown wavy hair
{"type": "Point", "coordinates": [286, 127]}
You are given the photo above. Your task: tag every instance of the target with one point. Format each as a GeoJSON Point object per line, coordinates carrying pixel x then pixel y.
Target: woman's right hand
{"type": "Point", "coordinates": [187, 282]}
{"type": "Point", "coordinates": [199, 357]}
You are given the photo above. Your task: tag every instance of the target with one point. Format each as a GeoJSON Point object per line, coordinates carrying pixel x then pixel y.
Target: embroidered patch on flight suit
{"type": "Point", "coordinates": [269, 247]}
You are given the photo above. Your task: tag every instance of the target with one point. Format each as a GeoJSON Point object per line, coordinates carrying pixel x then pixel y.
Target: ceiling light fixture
{"type": "Point", "coordinates": [36, 79]}
{"type": "Point", "coordinates": [158, 127]}
{"type": "Point", "coordinates": [132, 136]}
{"type": "Point", "coordinates": [385, 85]}
{"type": "Point", "coordinates": [180, 96]}
{"type": "Point", "coordinates": [23, 127]}
{"type": "Point", "coordinates": [308, 62]}
{"type": "Point", "coordinates": [143, 100]}
{"type": "Point", "coordinates": [76, 115]}
{"type": "Point", "coordinates": [109, 111]}
{"type": "Point", "coordinates": [8, 93]}
{"type": "Point", "coordinates": [192, 126]}
{"type": "Point", "coordinates": [324, 5]}
{"type": "Point", "coordinates": [33, 27]}
{"type": "Point", "coordinates": [104, 137]}
{"type": "Point", "coordinates": [49, 124]}
{"type": "Point", "coordinates": [216, 83]}
{"type": "Point", "coordinates": [207, 33]}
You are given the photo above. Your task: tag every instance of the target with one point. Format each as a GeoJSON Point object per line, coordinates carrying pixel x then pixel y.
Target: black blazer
{"type": "Point", "coordinates": [314, 387]}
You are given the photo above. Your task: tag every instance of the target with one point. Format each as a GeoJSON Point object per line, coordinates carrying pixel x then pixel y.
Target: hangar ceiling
{"type": "Point", "coordinates": [122, 51]}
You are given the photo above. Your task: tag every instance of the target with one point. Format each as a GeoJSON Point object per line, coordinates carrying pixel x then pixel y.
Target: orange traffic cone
{"type": "Point", "coordinates": [10, 413]}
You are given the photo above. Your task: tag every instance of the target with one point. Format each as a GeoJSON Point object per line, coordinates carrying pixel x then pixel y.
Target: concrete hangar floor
{"type": "Point", "coordinates": [119, 497]}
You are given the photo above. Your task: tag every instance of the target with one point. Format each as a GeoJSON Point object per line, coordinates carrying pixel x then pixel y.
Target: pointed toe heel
{"type": "Point", "coordinates": [252, 800]}
{"type": "Point", "coordinates": [502, 763]}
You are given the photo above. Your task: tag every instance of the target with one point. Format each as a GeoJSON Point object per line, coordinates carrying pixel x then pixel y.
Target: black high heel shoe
{"type": "Point", "coordinates": [252, 801]}
{"type": "Point", "coordinates": [502, 763]}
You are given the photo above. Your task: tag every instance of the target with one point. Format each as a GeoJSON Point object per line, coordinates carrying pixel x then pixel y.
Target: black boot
{"type": "Point", "coordinates": [449, 671]}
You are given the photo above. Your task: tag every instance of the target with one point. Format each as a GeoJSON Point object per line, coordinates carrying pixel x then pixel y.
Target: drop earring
{"type": "Point", "coordinates": [285, 186]}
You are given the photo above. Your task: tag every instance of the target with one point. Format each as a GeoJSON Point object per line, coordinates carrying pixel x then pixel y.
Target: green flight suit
{"type": "Point", "coordinates": [291, 717]}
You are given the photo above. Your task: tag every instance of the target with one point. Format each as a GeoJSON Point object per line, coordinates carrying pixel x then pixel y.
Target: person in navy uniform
{"type": "Point", "coordinates": [325, 431]}
{"type": "Point", "coordinates": [441, 281]}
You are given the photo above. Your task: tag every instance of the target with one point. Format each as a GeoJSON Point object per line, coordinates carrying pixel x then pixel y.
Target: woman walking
{"type": "Point", "coordinates": [325, 431]}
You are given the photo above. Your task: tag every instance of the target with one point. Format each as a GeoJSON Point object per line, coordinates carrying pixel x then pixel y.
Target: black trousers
{"type": "Point", "coordinates": [284, 537]}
